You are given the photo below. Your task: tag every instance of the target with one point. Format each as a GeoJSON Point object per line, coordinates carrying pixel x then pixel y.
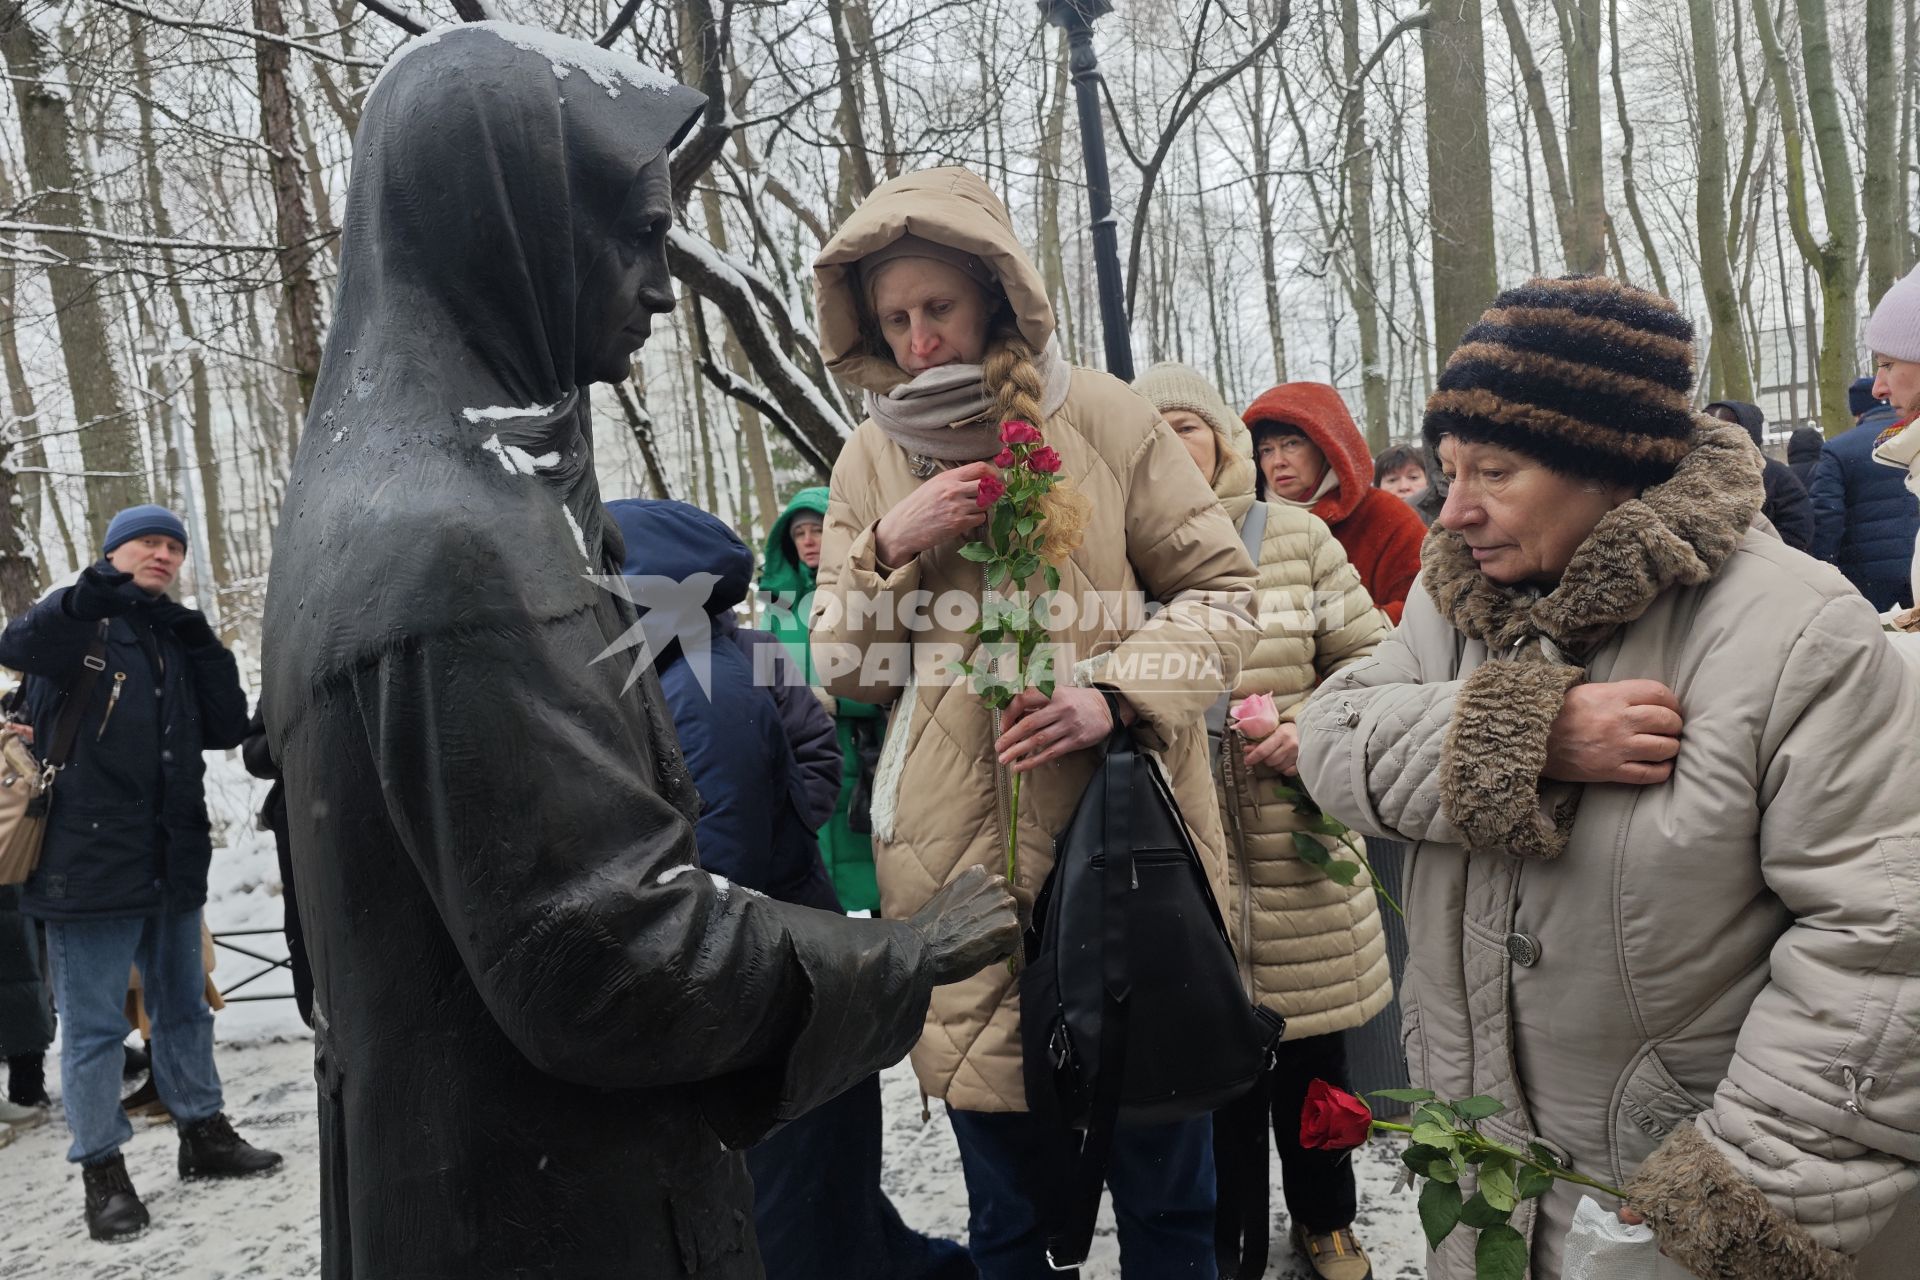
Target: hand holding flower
{"type": "Point", "coordinates": [1278, 752]}
{"type": "Point", "coordinates": [944, 508]}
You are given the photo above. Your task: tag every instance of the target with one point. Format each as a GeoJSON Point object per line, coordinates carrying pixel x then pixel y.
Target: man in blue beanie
{"type": "Point", "coordinates": [125, 688]}
{"type": "Point", "coordinates": [1865, 520]}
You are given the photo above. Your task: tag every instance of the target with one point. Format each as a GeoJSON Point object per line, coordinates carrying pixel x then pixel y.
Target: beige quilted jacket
{"type": "Point", "coordinates": [1156, 530]}
{"type": "Point", "coordinates": [1310, 948]}
{"type": "Point", "coordinates": [1705, 991]}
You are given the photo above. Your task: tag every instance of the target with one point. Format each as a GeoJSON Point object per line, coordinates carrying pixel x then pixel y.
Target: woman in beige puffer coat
{"type": "Point", "coordinates": [1310, 948]}
{"type": "Point", "coordinates": [928, 302]}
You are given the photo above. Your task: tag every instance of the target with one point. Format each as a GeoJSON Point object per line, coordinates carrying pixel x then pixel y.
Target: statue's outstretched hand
{"type": "Point", "coordinates": [969, 924]}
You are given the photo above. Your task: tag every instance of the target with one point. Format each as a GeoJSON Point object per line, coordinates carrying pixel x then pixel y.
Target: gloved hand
{"type": "Point", "coordinates": [190, 625]}
{"type": "Point", "coordinates": [103, 592]}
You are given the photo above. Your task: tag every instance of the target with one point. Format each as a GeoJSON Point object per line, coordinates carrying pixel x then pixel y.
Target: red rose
{"type": "Point", "coordinates": [1333, 1119]}
{"type": "Point", "coordinates": [1017, 432]}
{"type": "Point", "coordinates": [1044, 459]}
{"type": "Point", "coordinates": [991, 487]}
{"type": "Point", "coordinates": [1003, 459]}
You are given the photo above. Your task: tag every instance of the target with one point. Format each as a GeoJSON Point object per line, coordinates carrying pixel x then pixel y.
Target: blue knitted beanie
{"type": "Point", "coordinates": [138, 522]}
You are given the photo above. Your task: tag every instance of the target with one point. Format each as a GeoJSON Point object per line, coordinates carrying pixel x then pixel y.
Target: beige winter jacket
{"type": "Point", "coordinates": [1310, 948]}
{"type": "Point", "coordinates": [1157, 532]}
{"type": "Point", "coordinates": [1706, 991]}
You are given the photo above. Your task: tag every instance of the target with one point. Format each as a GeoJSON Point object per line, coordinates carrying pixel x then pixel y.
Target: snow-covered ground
{"type": "Point", "coordinates": [268, 1229]}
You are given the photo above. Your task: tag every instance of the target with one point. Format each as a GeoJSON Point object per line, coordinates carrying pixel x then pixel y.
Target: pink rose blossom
{"type": "Point", "coordinates": [991, 487]}
{"type": "Point", "coordinates": [1044, 459]}
{"type": "Point", "coordinates": [1004, 458]}
{"type": "Point", "coordinates": [1256, 717]}
{"type": "Point", "coordinates": [1017, 432]}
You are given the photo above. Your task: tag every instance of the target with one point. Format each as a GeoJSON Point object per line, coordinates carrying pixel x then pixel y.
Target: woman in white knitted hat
{"type": "Point", "coordinates": [1893, 332]}
{"type": "Point", "coordinates": [1310, 948]}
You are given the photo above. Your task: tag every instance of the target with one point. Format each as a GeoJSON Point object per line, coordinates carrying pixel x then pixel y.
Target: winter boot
{"type": "Point", "coordinates": [1333, 1256]}
{"type": "Point", "coordinates": [211, 1149]}
{"type": "Point", "coordinates": [144, 1104]}
{"type": "Point", "coordinates": [27, 1080]}
{"type": "Point", "coordinates": [114, 1211]}
{"type": "Point", "coordinates": [138, 1060]}
{"type": "Point", "coordinates": [21, 1118]}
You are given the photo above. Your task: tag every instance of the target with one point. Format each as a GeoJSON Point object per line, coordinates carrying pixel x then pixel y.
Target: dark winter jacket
{"type": "Point", "coordinates": [26, 1008]}
{"type": "Point", "coordinates": [127, 834]}
{"type": "Point", "coordinates": [1803, 454]}
{"type": "Point", "coordinates": [541, 1029]}
{"type": "Point", "coordinates": [1868, 519]}
{"type": "Point", "coordinates": [1787, 507]}
{"type": "Point", "coordinates": [750, 830]}
{"type": "Point", "coordinates": [810, 732]}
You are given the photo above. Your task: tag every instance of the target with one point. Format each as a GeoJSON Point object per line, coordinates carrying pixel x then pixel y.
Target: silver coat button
{"type": "Point", "coordinates": [1523, 949]}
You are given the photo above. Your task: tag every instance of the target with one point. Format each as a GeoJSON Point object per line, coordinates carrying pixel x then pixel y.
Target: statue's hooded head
{"type": "Point", "coordinates": [510, 196]}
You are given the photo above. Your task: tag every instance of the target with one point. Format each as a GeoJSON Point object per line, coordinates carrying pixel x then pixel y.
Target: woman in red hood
{"type": "Point", "coordinates": [1310, 454]}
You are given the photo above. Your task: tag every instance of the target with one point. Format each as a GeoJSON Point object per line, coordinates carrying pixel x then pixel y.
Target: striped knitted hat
{"type": "Point", "coordinates": [1590, 376]}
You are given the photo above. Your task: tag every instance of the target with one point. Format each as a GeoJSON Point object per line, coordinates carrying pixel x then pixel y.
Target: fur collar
{"type": "Point", "coordinates": [1677, 533]}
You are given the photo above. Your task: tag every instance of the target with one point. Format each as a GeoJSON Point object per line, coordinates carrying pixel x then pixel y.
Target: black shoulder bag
{"type": "Point", "coordinates": [1132, 1010]}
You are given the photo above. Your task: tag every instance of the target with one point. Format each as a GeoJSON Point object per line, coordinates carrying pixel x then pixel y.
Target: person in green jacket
{"type": "Point", "coordinates": [786, 585]}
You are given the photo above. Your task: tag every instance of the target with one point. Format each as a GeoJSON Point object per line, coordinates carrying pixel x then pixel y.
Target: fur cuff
{"type": "Point", "coordinates": [1495, 749]}
{"type": "Point", "coordinates": [1718, 1225]}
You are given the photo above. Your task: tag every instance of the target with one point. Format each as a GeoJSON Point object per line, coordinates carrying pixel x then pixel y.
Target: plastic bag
{"type": "Point", "coordinates": [1601, 1247]}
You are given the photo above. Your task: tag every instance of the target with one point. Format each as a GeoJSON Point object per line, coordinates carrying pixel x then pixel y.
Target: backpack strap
{"type": "Point", "coordinates": [1067, 1248]}
{"type": "Point", "coordinates": [67, 727]}
{"type": "Point", "coordinates": [1253, 529]}
{"type": "Point", "coordinates": [1240, 1173]}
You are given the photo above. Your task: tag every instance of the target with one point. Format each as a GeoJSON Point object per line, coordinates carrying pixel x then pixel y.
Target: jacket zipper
{"type": "Point", "coordinates": [1230, 816]}
{"type": "Point", "coordinates": [113, 700]}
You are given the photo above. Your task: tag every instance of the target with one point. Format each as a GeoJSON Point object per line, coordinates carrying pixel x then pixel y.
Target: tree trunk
{"type": "Point", "coordinates": [109, 443]}
{"type": "Point", "coordinates": [1728, 353]}
{"type": "Point", "coordinates": [1629, 190]}
{"type": "Point", "coordinates": [1586, 159]}
{"type": "Point", "coordinates": [1544, 128]}
{"type": "Point", "coordinates": [1885, 183]}
{"type": "Point", "coordinates": [856, 166]}
{"type": "Point", "coordinates": [1365, 291]}
{"type": "Point", "coordinates": [199, 390]}
{"type": "Point", "coordinates": [1460, 169]}
{"type": "Point", "coordinates": [291, 220]}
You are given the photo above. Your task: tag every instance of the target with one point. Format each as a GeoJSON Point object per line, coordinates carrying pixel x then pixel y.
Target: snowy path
{"type": "Point", "coordinates": [268, 1229]}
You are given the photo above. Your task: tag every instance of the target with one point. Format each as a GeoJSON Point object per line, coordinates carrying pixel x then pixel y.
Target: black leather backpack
{"type": "Point", "coordinates": [1132, 1008]}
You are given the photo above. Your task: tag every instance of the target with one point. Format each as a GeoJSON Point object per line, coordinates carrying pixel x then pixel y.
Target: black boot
{"type": "Point", "coordinates": [138, 1060]}
{"type": "Point", "coordinates": [211, 1149]}
{"type": "Point", "coordinates": [114, 1211]}
{"type": "Point", "coordinates": [27, 1080]}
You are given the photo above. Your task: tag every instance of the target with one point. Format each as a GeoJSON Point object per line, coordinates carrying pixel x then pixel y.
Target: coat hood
{"type": "Point", "coordinates": [1749, 416]}
{"type": "Point", "coordinates": [781, 572]}
{"type": "Point", "coordinates": [667, 539]}
{"type": "Point", "coordinates": [445, 479]}
{"type": "Point", "coordinates": [1805, 444]}
{"type": "Point", "coordinates": [950, 206]}
{"type": "Point", "coordinates": [1317, 409]}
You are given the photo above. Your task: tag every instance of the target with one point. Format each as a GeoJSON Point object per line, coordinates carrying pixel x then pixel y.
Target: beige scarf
{"type": "Point", "coordinates": [943, 413]}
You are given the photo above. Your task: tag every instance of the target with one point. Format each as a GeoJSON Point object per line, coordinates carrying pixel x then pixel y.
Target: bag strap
{"type": "Point", "coordinates": [1253, 528]}
{"type": "Point", "coordinates": [67, 727]}
{"type": "Point", "coordinates": [1067, 1248]}
{"type": "Point", "coordinates": [1240, 1173]}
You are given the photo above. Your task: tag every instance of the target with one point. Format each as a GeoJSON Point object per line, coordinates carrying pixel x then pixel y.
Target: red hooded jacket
{"type": "Point", "coordinates": [1381, 534]}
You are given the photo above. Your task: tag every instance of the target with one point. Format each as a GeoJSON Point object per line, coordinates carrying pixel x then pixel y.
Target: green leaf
{"type": "Point", "coordinates": [978, 552]}
{"type": "Point", "coordinates": [1444, 1170]}
{"type": "Point", "coordinates": [1496, 1184]}
{"type": "Point", "coordinates": [1480, 1215]}
{"type": "Point", "coordinates": [1313, 853]}
{"type": "Point", "coordinates": [1419, 1157]}
{"type": "Point", "coordinates": [1501, 1254]}
{"type": "Point", "coordinates": [1053, 578]}
{"type": "Point", "coordinates": [1477, 1108]}
{"type": "Point", "coordinates": [1045, 686]}
{"type": "Point", "coordinates": [1002, 522]}
{"type": "Point", "coordinates": [1543, 1156]}
{"type": "Point", "coordinates": [993, 635]}
{"type": "Point", "coordinates": [1404, 1095]}
{"type": "Point", "coordinates": [1433, 1135]}
{"type": "Point", "coordinates": [1436, 1113]}
{"type": "Point", "coordinates": [1342, 872]}
{"type": "Point", "coordinates": [1532, 1182]}
{"type": "Point", "coordinates": [1327, 826]}
{"type": "Point", "coordinates": [1027, 525]}
{"type": "Point", "coordinates": [1439, 1211]}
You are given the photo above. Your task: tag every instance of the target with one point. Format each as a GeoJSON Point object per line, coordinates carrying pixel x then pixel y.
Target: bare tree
{"type": "Point", "coordinates": [1731, 377]}
{"type": "Point", "coordinates": [1459, 170]}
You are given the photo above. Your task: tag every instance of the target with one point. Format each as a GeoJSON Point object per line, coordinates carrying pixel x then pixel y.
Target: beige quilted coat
{"type": "Point", "coordinates": [1156, 528]}
{"type": "Point", "coordinates": [1310, 948]}
{"type": "Point", "coordinates": [1705, 991]}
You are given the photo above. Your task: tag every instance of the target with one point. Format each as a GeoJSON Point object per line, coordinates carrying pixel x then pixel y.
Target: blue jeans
{"type": "Point", "coordinates": [90, 960]}
{"type": "Point", "coordinates": [1160, 1178]}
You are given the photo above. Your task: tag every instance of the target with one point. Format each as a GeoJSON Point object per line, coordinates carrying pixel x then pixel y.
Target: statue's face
{"type": "Point", "coordinates": [629, 284]}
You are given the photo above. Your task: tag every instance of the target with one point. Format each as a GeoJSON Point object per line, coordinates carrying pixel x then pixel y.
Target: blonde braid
{"type": "Point", "coordinates": [1013, 380]}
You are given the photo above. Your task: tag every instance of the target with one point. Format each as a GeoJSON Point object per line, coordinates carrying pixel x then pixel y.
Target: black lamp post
{"type": "Point", "coordinates": [1076, 17]}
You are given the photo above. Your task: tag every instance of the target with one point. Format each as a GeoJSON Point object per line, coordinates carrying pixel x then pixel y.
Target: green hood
{"type": "Point", "coordinates": [781, 570]}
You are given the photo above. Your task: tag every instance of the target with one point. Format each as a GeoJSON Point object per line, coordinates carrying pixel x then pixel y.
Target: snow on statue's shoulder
{"type": "Point", "coordinates": [612, 71]}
